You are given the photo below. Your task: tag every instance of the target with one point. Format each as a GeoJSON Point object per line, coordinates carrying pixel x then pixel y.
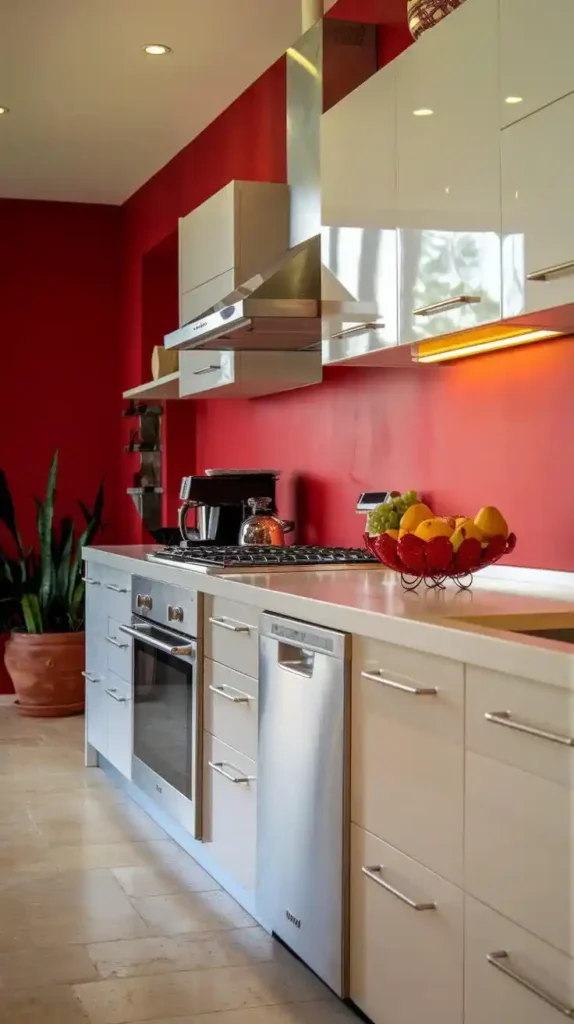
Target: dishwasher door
{"type": "Point", "coordinates": [303, 793]}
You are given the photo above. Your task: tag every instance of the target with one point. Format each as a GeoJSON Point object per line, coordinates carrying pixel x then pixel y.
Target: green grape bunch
{"type": "Point", "coordinates": [388, 515]}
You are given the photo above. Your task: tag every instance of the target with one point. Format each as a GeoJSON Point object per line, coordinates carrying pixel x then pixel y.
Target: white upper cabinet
{"type": "Point", "coordinates": [536, 55]}
{"type": "Point", "coordinates": [231, 237]}
{"type": "Point", "coordinates": [448, 175]}
{"type": "Point", "coordinates": [247, 374]}
{"type": "Point", "coordinates": [358, 209]}
{"type": "Point", "coordinates": [538, 210]}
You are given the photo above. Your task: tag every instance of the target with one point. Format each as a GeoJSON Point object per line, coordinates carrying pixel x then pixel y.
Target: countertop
{"type": "Point", "coordinates": [472, 626]}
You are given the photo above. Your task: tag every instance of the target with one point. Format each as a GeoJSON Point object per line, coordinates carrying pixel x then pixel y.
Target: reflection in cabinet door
{"type": "Point", "coordinates": [537, 211]}
{"type": "Point", "coordinates": [448, 175]}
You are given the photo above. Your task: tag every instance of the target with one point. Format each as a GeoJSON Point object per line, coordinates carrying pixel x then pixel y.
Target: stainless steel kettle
{"type": "Point", "coordinates": [262, 527]}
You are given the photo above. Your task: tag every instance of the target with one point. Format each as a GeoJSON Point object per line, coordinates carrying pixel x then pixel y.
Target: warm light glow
{"type": "Point", "coordinates": [157, 49]}
{"type": "Point", "coordinates": [4, 110]}
{"type": "Point", "coordinates": [479, 347]}
{"type": "Point", "coordinates": [307, 64]}
{"type": "Point", "coordinates": [513, 99]}
{"type": "Point", "coordinates": [423, 112]}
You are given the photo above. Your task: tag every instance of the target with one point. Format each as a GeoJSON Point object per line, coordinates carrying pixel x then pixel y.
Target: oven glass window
{"type": "Point", "coordinates": [163, 715]}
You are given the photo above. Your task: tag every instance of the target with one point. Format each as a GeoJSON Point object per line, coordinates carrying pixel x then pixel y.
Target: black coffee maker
{"type": "Point", "coordinates": [220, 501]}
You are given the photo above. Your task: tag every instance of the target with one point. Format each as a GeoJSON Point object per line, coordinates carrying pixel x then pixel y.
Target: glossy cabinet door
{"type": "Point", "coordinates": [406, 937]}
{"type": "Point", "coordinates": [96, 657]}
{"type": "Point", "coordinates": [538, 211]}
{"type": "Point", "coordinates": [448, 175]}
{"type": "Point", "coordinates": [119, 714]}
{"type": "Point", "coordinates": [536, 65]}
{"type": "Point", "coordinates": [510, 976]}
{"type": "Point", "coordinates": [358, 208]}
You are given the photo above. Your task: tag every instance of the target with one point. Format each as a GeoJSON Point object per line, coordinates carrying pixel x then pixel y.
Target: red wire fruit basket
{"type": "Point", "coordinates": [434, 561]}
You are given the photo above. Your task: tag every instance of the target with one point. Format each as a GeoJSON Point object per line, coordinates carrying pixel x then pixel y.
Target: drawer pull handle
{"type": "Point", "coordinates": [116, 643]}
{"type": "Point", "coordinates": [501, 960]}
{"type": "Point", "coordinates": [504, 718]}
{"type": "Point", "coordinates": [439, 307]}
{"type": "Point", "coordinates": [90, 677]}
{"type": "Point", "coordinates": [555, 271]}
{"type": "Point", "coordinates": [114, 694]}
{"type": "Point", "coordinates": [91, 582]}
{"type": "Point", "coordinates": [219, 767]}
{"type": "Point", "coordinates": [116, 589]}
{"type": "Point", "coordinates": [206, 369]}
{"type": "Point", "coordinates": [231, 626]}
{"type": "Point", "coordinates": [376, 875]}
{"type": "Point", "coordinates": [359, 329]}
{"type": "Point", "coordinates": [417, 691]}
{"type": "Point", "coordinates": [236, 696]}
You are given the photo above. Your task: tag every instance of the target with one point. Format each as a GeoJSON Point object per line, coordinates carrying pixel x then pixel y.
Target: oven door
{"type": "Point", "coordinates": [167, 758]}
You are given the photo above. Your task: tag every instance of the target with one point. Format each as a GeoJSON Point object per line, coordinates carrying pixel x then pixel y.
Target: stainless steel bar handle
{"type": "Point", "coordinates": [416, 691]}
{"type": "Point", "coordinates": [501, 960]}
{"type": "Point", "coordinates": [114, 694]}
{"type": "Point", "coordinates": [116, 589]}
{"type": "Point", "coordinates": [439, 307]}
{"type": "Point", "coordinates": [206, 369]}
{"type": "Point", "coordinates": [90, 677]}
{"type": "Point", "coordinates": [359, 329]}
{"type": "Point", "coordinates": [91, 582]}
{"type": "Point", "coordinates": [555, 271]}
{"type": "Point", "coordinates": [233, 627]}
{"type": "Point", "coordinates": [504, 718]}
{"type": "Point", "coordinates": [375, 873]}
{"type": "Point", "coordinates": [143, 635]}
{"type": "Point", "coordinates": [236, 696]}
{"type": "Point", "coordinates": [219, 766]}
{"type": "Point", "coordinates": [116, 643]}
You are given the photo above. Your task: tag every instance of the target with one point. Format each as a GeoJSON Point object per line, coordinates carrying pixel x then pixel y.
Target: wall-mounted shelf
{"type": "Point", "coordinates": [164, 387]}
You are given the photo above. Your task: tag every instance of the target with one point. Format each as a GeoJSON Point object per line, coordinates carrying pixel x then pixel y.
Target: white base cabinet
{"type": "Point", "coordinates": [406, 937]}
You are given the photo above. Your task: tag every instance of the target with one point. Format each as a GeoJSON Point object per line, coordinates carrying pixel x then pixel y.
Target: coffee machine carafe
{"type": "Point", "coordinates": [220, 499]}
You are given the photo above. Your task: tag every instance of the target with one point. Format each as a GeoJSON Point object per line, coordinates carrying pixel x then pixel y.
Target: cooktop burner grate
{"type": "Point", "coordinates": [235, 557]}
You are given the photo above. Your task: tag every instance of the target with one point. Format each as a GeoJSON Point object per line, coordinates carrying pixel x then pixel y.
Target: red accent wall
{"type": "Point", "coordinates": [59, 373]}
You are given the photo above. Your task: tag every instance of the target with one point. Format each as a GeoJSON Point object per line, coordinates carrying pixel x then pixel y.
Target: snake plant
{"type": "Point", "coordinates": [41, 589]}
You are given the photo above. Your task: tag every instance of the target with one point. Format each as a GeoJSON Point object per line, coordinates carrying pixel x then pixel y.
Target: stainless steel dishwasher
{"type": "Point", "coordinates": [303, 792]}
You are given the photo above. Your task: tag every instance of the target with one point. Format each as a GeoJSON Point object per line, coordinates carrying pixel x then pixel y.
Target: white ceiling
{"type": "Point", "coordinates": [91, 116]}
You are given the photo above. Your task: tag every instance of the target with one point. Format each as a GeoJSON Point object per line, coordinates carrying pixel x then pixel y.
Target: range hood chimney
{"type": "Point", "coordinates": [281, 307]}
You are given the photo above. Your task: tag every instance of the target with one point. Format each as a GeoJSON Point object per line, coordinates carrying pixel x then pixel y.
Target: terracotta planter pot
{"type": "Point", "coordinates": [46, 670]}
{"type": "Point", "coordinates": [423, 14]}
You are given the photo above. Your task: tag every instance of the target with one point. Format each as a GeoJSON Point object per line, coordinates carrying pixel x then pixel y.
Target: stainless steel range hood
{"type": "Point", "coordinates": [281, 307]}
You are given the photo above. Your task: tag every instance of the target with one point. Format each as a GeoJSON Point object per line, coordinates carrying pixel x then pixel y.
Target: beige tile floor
{"type": "Point", "coordinates": [104, 920]}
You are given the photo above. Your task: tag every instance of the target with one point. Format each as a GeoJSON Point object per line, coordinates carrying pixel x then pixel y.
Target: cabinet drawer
{"type": "Point", "coordinates": [119, 647]}
{"type": "Point", "coordinates": [407, 752]}
{"type": "Point", "coordinates": [96, 723]}
{"type": "Point", "coordinates": [230, 632]}
{"type": "Point", "coordinates": [518, 847]}
{"type": "Point", "coordinates": [119, 714]}
{"type": "Point", "coordinates": [513, 706]}
{"type": "Point", "coordinates": [406, 965]}
{"type": "Point", "coordinates": [493, 997]}
{"type": "Point", "coordinates": [229, 810]}
{"type": "Point", "coordinates": [118, 594]}
{"type": "Point", "coordinates": [230, 707]}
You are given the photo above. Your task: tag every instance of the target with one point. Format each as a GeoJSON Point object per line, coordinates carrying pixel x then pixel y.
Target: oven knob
{"type": "Point", "coordinates": [144, 601]}
{"type": "Point", "coordinates": [174, 613]}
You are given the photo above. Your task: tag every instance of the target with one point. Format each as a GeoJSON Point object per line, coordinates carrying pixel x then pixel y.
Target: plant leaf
{"type": "Point", "coordinates": [32, 614]}
{"type": "Point", "coordinates": [76, 607]}
{"type": "Point", "coordinates": [7, 513]}
{"type": "Point", "coordinates": [63, 557]}
{"type": "Point", "coordinates": [45, 530]}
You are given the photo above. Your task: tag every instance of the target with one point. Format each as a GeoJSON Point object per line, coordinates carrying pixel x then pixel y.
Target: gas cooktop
{"type": "Point", "coordinates": [232, 559]}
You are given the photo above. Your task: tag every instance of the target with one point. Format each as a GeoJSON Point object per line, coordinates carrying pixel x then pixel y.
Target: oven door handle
{"type": "Point", "coordinates": [140, 633]}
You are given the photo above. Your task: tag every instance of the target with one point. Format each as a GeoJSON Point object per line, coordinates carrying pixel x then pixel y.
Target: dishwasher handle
{"type": "Point", "coordinates": [297, 667]}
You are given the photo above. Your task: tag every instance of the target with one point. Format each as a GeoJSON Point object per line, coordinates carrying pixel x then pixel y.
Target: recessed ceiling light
{"type": "Point", "coordinates": [513, 99]}
{"type": "Point", "coordinates": [423, 112]}
{"type": "Point", "coordinates": [157, 49]}
{"type": "Point", "coordinates": [4, 110]}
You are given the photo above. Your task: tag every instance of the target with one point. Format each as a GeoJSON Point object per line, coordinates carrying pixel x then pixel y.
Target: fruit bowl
{"type": "Point", "coordinates": [435, 561]}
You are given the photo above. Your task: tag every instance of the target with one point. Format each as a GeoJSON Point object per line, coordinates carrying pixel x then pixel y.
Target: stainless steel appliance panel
{"type": "Point", "coordinates": [172, 606]}
{"type": "Point", "coordinates": [302, 849]}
